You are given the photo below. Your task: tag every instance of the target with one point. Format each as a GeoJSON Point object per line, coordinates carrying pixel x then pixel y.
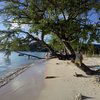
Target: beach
{"type": "Point", "coordinates": [27, 85]}
{"type": "Point", "coordinates": [63, 85]}
{"type": "Point", "coordinates": [49, 50]}
{"type": "Point", "coordinates": [52, 80]}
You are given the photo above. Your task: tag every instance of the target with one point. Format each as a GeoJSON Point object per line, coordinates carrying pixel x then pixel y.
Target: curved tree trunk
{"type": "Point", "coordinates": [87, 70]}
{"type": "Point", "coordinates": [68, 46]}
{"type": "Point", "coordinates": [82, 66]}
{"type": "Point", "coordinates": [72, 57]}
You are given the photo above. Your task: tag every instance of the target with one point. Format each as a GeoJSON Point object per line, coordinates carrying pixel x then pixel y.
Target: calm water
{"type": "Point", "coordinates": [15, 61]}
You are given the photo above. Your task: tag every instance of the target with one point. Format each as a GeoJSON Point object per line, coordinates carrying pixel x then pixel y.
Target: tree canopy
{"type": "Point", "coordinates": [68, 20]}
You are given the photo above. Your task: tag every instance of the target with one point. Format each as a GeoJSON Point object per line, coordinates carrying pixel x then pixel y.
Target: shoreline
{"type": "Point", "coordinates": [5, 79]}
{"type": "Point", "coordinates": [52, 79]}
{"type": "Point", "coordinates": [27, 85]}
{"type": "Point", "coordinates": [11, 75]}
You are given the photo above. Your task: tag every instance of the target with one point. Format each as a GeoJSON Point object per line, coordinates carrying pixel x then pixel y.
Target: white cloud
{"type": "Point", "coordinates": [24, 27]}
{"type": "Point", "coordinates": [14, 25]}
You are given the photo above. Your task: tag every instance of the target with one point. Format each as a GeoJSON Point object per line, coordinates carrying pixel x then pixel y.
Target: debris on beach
{"type": "Point", "coordinates": [97, 79]}
{"type": "Point", "coordinates": [78, 97]}
{"type": "Point", "coordinates": [57, 63]}
{"type": "Point", "coordinates": [78, 75]}
{"type": "Point", "coordinates": [82, 97]}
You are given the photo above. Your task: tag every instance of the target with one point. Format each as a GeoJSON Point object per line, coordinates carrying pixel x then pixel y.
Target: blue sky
{"type": "Point", "coordinates": [92, 16]}
{"type": "Point", "coordinates": [2, 27]}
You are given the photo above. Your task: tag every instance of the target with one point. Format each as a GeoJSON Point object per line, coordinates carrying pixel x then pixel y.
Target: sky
{"type": "Point", "coordinates": [91, 15]}
{"type": "Point", "coordinates": [2, 27]}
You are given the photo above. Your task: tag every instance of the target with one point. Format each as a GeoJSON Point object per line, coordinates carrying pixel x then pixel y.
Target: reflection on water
{"type": "Point", "coordinates": [2, 69]}
{"type": "Point", "coordinates": [14, 61]}
{"type": "Point", "coordinates": [7, 61]}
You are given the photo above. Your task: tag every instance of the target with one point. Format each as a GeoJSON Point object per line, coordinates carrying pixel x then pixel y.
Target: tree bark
{"type": "Point", "coordinates": [82, 66]}
{"type": "Point", "coordinates": [72, 56]}
{"type": "Point", "coordinates": [87, 70]}
{"type": "Point", "coordinates": [68, 46]}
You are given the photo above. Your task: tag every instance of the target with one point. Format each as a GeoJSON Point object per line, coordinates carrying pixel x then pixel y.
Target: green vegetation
{"type": "Point", "coordinates": [68, 20]}
{"type": "Point", "coordinates": [56, 43]}
{"type": "Point", "coordinates": [18, 44]}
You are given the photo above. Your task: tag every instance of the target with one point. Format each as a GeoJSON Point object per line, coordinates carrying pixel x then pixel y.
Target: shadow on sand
{"type": "Point", "coordinates": [51, 77]}
{"type": "Point", "coordinates": [86, 97]}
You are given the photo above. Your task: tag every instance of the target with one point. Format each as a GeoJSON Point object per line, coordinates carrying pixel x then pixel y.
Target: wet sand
{"type": "Point", "coordinates": [52, 80]}
{"type": "Point", "coordinates": [26, 86]}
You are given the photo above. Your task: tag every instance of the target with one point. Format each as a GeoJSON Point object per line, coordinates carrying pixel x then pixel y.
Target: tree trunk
{"type": "Point", "coordinates": [54, 53]}
{"type": "Point", "coordinates": [68, 47]}
{"type": "Point", "coordinates": [82, 66]}
{"type": "Point", "coordinates": [87, 70]}
{"type": "Point", "coordinates": [72, 56]}
{"type": "Point", "coordinates": [49, 47]}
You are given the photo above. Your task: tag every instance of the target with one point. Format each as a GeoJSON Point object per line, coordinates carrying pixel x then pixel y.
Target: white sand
{"type": "Point", "coordinates": [66, 86]}
{"type": "Point", "coordinates": [32, 85]}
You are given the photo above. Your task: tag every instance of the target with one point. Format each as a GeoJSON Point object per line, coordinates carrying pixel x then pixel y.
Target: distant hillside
{"type": "Point", "coordinates": [38, 46]}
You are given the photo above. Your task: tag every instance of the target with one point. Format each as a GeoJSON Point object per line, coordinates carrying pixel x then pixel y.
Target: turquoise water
{"type": "Point", "coordinates": [15, 61]}
{"type": "Point", "coordinates": [97, 67]}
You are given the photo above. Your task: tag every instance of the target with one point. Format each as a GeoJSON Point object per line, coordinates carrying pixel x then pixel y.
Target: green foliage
{"type": "Point", "coordinates": [56, 43]}
{"type": "Point", "coordinates": [67, 19]}
{"type": "Point", "coordinates": [18, 44]}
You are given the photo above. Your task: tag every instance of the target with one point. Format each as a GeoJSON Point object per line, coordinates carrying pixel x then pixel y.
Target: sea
{"type": "Point", "coordinates": [15, 61]}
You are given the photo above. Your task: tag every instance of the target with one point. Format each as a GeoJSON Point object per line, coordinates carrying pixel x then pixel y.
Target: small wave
{"type": "Point", "coordinates": [11, 75]}
{"type": "Point", "coordinates": [2, 69]}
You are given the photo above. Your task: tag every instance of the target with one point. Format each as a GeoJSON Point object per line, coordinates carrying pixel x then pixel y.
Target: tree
{"type": "Point", "coordinates": [56, 43]}
{"type": "Point", "coordinates": [67, 19]}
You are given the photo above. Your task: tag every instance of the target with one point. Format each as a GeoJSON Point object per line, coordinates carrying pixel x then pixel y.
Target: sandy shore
{"type": "Point", "coordinates": [5, 79]}
{"type": "Point", "coordinates": [64, 86]}
{"type": "Point", "coordinates": [25, 86]}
